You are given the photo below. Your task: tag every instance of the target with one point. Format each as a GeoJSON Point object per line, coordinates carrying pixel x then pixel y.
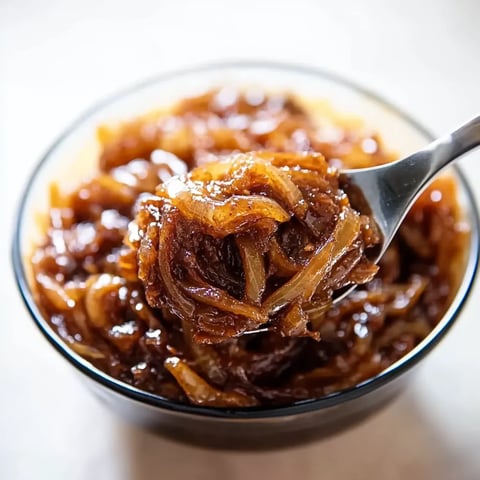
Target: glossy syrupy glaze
{"type": "Point", "coordinates": [87, 271]}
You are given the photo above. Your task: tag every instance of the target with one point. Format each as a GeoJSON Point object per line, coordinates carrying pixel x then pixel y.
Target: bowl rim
{"type": "Point", "coordinates": [302, 406]}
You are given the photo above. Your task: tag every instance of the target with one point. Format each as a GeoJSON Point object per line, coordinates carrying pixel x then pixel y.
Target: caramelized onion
{"type": "Point", "coordinates": [220, 217]}
{"type": "Point", "coordinates": [217, 298]}
{"type": "Point", "coordinates": [200, 392]}
{"type": "Point", "coordinates": [304, 283]}
{"type": "Point", "coordinates": [235, 197]}
{"type": "Point", "coordinates": [55, 293]}
{"type": "Point", "coordinates": [283, 265]}
{"type": "Point", "coordinates": [228, 231]}
{"type": "Point", "coordinates": [254, 268]}
{"type": "Point", "coordinates": [178, 302]}
{"type": "Point", "coordinates": [98, 286]}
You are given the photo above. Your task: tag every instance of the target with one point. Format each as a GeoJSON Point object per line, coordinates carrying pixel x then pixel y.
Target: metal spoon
{"type": "Point", "coordinates": [387, 192]}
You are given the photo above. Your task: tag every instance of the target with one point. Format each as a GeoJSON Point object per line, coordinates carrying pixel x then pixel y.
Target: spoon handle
{"type": "Point", "coordinates": [391, 189]}
{"type": "Point", "coordinates": [413, 173]}
{"type": "Point", "coordinates": [450, 147]}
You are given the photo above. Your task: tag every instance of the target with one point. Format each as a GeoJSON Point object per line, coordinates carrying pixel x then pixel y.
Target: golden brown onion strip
{"type": "Point", "coordinates": [303, 284]}
{"type": "Point", "coordinates": [254, 268]}
{"type": "Point", "coordinates": [200, 392]}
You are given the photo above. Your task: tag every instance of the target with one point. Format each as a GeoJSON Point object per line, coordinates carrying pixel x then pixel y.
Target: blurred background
{"type": "Point", "coordinates": [59, 57]}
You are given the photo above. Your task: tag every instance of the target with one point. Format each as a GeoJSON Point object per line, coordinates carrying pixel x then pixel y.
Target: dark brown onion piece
{"type": "Point", "coordinates": [294, 323]}
{"type": "Point", "coordinates": [176, 300]}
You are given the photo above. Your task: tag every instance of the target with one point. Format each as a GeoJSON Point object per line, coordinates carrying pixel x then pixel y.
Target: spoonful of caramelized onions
{"type": "Point", "coordinates": [269, 241]}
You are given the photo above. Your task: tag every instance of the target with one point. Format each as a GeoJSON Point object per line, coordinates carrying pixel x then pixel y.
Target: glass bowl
{"type": "Point", "coordinates": [74, 154]}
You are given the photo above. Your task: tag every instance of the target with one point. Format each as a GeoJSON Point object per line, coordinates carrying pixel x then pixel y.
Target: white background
{"type": "Point", "coordinates": [58, 57]}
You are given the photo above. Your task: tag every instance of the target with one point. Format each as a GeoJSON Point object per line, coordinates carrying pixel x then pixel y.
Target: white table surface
{"type": "Point", "coordinates": [58, 57]}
